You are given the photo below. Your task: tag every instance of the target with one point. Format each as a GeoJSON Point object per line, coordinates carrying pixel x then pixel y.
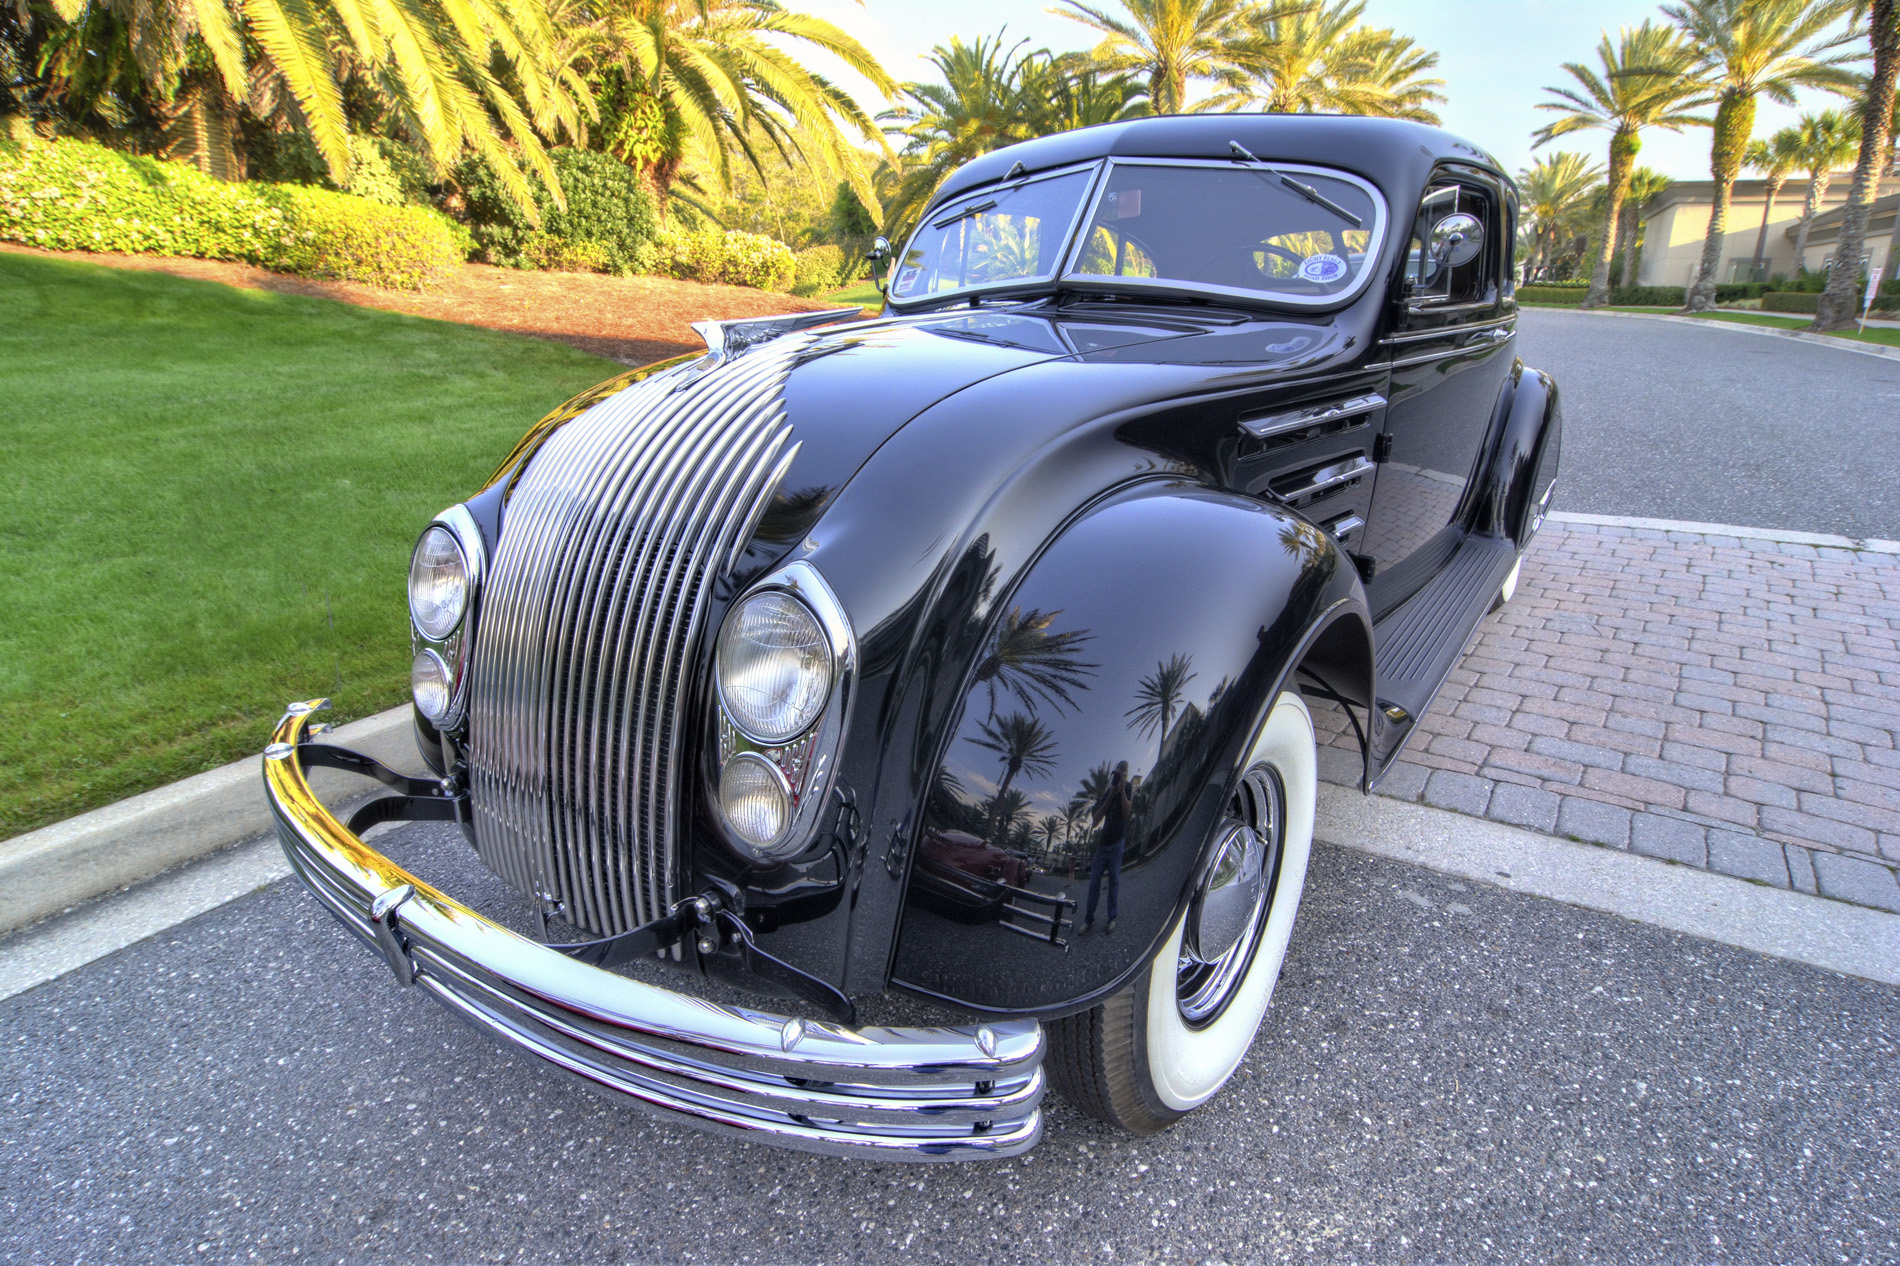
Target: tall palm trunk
{"type": "Point", "coordinates": [1818, 182]}
{"type": "Point", "coordinates": [1775, 182]}
{"type": "Point", "coordinates": [1840, 302]}
{"type": "Point", "coordinates": [1734, 124]}
{"type": "Point", "coordinates": [1626, 243]}
{"type": "Point", "coordinates": [1623, 146]}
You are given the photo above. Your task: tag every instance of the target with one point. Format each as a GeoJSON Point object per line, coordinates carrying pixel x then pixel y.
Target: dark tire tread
{"type": "Point", "coordinates": [1098, 1062]}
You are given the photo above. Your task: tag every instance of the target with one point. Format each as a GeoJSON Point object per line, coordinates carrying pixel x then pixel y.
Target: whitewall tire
{"type": "Point", "coordinates": [1170, 1040]}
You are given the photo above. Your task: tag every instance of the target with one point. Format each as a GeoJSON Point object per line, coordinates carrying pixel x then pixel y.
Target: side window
{"type": "Point", "coordinates": [1453, 247]}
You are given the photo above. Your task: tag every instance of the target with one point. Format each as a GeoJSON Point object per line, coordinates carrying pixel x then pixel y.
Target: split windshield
{"type": "Point", "coordinates": [1254, 230]}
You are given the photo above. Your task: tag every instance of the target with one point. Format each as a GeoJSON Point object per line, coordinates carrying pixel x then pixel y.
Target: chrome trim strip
{"type": "Point", "coordinates": [1446, 331]}
{"type": "Point", "coordinates": [964, 1093]}
{"type": "Point", "coordinates": [616, 531]}
{"type": "Point", "coordinates": [1332, 476]}
{"type": "Point", "coordinates": [1279, 423]}
{"type": "Point", "coordinates": [1445, 353]}
{"type": "Point", "coordinates": [1345, 525]}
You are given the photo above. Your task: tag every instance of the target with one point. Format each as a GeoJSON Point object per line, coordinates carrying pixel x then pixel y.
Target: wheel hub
{"type": "Point", "coordinates": [1231, 899]}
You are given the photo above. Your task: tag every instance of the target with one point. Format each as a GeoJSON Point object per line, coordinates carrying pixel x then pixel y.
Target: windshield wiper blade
{"type": "Point", "coordinates": [975, 208]}
{"type": "Point", "coordinates": [1241, 154]}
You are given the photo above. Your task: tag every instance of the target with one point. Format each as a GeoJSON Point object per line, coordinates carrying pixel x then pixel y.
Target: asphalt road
{"type": "Point", "coordinates": [1450, 1073]}
{"type": "Point", "coordinates": [1673, 421]}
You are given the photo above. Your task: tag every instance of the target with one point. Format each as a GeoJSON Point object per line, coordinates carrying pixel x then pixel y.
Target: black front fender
{"type": "Point", "coordinates": [1522, 459]}
{"type": "Point", "coordinates": [1157, 629]}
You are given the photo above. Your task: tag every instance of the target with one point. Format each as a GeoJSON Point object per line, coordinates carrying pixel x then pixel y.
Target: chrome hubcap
{"type": "Point", "coordinates": [1232, 898]}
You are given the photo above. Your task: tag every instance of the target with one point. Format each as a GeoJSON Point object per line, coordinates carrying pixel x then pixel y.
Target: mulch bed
{"type": "Point", "coordinates": [634, 320]}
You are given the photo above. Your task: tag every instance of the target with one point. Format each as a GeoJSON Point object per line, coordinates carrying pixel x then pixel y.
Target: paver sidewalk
{"type": "Point", "coordinates": [1724, 702]}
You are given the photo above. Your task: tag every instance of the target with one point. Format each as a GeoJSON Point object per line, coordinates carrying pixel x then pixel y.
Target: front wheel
{"type": "Point", "coordinates": [1167, 1042]}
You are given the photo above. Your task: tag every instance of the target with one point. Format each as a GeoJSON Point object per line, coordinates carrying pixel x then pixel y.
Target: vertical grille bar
{"type": "Point", "coordinates": [589, 629]}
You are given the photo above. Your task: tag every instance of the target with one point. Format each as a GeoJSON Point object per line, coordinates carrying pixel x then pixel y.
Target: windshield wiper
{"type": "Point", "coordinates": [975, 208]}
{"type": "Point", "coordinates": [1241, 154]}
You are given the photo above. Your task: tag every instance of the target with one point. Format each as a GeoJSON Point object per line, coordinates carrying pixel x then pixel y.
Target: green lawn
{"type": "Point", "coordinates": [208, 503]}
{"type": "Point", "coordinates": [1780, 320]}
{"type": "Point", "coordinates": [865, 294]}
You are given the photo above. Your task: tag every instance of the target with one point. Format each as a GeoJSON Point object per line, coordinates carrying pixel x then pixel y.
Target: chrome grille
{"type": "Point", "coordinates": [589, 622]}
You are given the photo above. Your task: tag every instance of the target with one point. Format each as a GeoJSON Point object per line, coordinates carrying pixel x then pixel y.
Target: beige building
{"type": "Point", "coordinates": [1879, 243]}
{"type": "Point", "coordinates": [1677, 220]}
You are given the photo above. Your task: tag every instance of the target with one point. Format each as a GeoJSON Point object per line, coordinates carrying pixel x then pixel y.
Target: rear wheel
{"type": "Point", "coordinates": [1168, 1041]}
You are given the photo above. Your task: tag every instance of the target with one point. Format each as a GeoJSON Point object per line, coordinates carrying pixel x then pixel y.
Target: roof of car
{"type": "Point", "coordinates": [1393, 154]}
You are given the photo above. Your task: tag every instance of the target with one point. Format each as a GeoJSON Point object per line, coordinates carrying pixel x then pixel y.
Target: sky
{"type": "Point", "coordinates": [1495, 57]}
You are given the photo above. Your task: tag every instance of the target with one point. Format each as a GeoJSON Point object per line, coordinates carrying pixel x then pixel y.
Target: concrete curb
{"type": "Point", "coordinates": [59, 866]}
{"type": "Point", "coordinates": [1781, 536]}
{"type": "Point", "coordinates": [1852, 940]}
{"type": "Point", "coordinates": [1819, 340]}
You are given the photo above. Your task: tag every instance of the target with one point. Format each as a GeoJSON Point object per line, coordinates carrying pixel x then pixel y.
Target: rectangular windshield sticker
{"type": "Point", "coordinates": [906, 280]}
{"type": "Point", "coordinates": [1123, 205]}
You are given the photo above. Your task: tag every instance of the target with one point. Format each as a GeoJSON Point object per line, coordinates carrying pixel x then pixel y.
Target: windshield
{"type": "Point", "coordinates": [1290, 234]}
{"type": "Point", "coordinates": [994, 237]}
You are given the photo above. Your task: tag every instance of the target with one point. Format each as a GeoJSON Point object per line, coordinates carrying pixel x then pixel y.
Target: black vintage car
{"type": "Point", "coordinates": [963, 651]}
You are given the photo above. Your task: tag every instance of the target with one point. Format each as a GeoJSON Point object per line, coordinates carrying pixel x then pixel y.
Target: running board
{"type": "Point", "coordinates": [1420, 642]}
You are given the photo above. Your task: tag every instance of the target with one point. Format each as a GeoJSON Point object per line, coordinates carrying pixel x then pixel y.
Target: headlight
{"type": "Point", "coordinates": [774, 667]}
{"type": "Point", "coordinates": [432, 686]}
{"type": "Point", "coordinates": [755, 800]}
{"type": "Point", "coordinates": [438, 584]}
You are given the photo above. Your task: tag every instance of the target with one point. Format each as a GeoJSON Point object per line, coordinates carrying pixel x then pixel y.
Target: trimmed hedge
{"type": "Point", "coordinates": [720, 257]}
{"type": "Point", "coordinates": [1808, 304]}
{"type": "Point", "coordinates": [74, 195]}
{"type": "Point", "coordinates": [1641, 296]}
{"type": "Point", "coordinates": [819, 268]}
{"type": "Point", "coordinates": [607, 226]}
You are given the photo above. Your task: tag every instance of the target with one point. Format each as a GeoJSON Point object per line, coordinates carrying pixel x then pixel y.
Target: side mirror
{"type": "Point", "coordinates": [1457, 239]}
{"type": "Point", "coordinates": [879, 253]}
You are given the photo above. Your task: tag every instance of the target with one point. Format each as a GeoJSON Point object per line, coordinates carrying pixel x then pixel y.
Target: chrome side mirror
{"type": "Point", "coordinates": [879, 253]}
{"type": "Point", "coordinates": [1457, 239]}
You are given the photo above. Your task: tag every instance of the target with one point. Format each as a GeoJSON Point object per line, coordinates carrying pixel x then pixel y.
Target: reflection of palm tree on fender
{"type": "Point", "coordinates": [1024, 743]}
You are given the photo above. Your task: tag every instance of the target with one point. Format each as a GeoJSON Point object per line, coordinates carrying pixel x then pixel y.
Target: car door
{"type": "Point", "coordinates": [1450, 347]}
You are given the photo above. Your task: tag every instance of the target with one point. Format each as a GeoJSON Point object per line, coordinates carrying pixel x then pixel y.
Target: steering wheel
{"type": "Point", "coordinates": [1221, 263]}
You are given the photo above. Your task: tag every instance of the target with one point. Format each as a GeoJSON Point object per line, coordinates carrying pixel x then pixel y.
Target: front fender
{"type": "Point", "coordinates": [1522, 462]}
{"type": "Point", "coordinates": [1157, 629]}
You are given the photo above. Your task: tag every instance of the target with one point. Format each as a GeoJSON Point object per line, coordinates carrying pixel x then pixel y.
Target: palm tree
{"type": "Point", "coordinates": [1048, 830]}
{"type": "Point", "coordinates": [1026, 660]}
{"type": "Point", "coordinates": [1172, 43]}
{"type": "Point", "coordinates": [1776, 159]}
{"type": "Point", "coordinates": [1645, 183]}
{"type": "Point", "coordinates": [1748, 49]}
{"type": "Point", "coordinates": [1074, 92]}
{"type": "Point", "coordinates": [460, 75]}
{"type": "Point", "coordinates": [1158, 695]}
{"type": "Point", "coordinates": [1643, 84]}
{"type": "Point", "coordinates": [1025, 744]}
{"type": "Point", "coordinates": [1823, 141]}
{"type": "Point", "coordinates": [1322, 59]}
{"type": "Point", "coordinates": [1840, 302]}
{"type": "Point", "coordinates": [987, 100]}
{"type": "Point", "coordinates": [713, 78]}
{"type": "Point", "coordinates": [1555, 193]}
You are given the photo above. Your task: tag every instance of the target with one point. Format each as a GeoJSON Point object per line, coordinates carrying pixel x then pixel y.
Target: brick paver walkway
{"type": "Point", "coordinates": [1724, 702]}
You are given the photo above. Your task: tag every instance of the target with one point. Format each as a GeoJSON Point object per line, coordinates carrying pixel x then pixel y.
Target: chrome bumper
{"type": "Point", "coordinates": [966, 1093]}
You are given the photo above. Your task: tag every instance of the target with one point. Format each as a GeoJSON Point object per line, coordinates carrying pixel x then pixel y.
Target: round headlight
{"type": "Point", "coordinates": [438, 583]}
{"type": "Point", "coordinates": [430, 683]}
{"type": "Point", "coordinates": [755, 800]}
{"type": "Point", "coordinates": [774, 667]}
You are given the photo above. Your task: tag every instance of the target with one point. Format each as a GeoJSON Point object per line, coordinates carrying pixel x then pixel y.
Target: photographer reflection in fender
{"type": "Point", "coordinates": [1111, 812]}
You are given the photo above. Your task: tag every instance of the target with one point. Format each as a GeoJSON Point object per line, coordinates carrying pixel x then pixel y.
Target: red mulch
{"type": "Point", "coordinates": [634, 320]}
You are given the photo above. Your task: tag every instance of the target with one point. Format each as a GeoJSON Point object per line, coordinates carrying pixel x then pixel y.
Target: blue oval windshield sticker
{"type": "Point", "coordinates": [1322, 268]}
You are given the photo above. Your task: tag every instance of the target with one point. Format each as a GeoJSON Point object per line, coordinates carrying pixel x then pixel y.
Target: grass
{"type": "Point", "coordinates": [208, 504]}
{"type": "Point", "coordinates": [865, 294]}
{"type": "Point", "coordinates": [1886, 335]}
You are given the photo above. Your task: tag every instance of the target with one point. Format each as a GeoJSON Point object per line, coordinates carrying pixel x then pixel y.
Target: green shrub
{"type": "Point", "coordinates": [564, 255]}
{"type": "Point", "coordinates": [343, 236]}
{"type": "Point", "coordinates": [720, 257]}
{"type": "Point", "coordinates": [605, 207]}
{"type": "Point", "coordinates": [819, 268]}
{"type": "Point", "coordinates": [1809, 302]}
{"type": "Point", "coordinates": [74, 195]}
{"type": "Point", "coordinates": [1640, 296]}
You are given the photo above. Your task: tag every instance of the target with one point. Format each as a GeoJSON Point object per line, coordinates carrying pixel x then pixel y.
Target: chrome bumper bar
{"type": "Point", "coordinates": [927, 1094]}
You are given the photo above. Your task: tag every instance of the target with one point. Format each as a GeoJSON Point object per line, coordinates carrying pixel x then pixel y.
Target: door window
{"type": "Point", "coordinates": [1449, 260]}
